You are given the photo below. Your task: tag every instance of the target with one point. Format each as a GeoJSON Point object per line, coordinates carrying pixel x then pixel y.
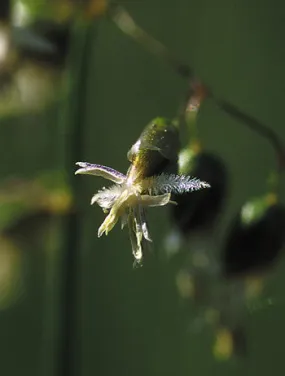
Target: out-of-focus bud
{"type": "Point", "coordinates": [8, 55]}
{"type": "Point", "coordinates": [229, 343]}
{"type": "Point", "coordinates": [61, 10]}
{"type": "Point", "coordinates": [43, 41]}
{"type": "Point", "coordinates": [156, 150]}
{"type": "Point", "coordinates": [199, 210]}
{"type": "Point", "coordinates": [29, 206]}
{"type": "Point", "coordinates": [31, 65]}
{"type": "Point", "coordinates": [255, 238]}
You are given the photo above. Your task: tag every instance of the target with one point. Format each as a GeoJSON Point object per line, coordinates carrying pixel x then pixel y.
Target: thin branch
{"type": "Point", "coordinates": [258, 127]}
{"type": "Point", "coordinates": [189, 107]}
{"type": "Point", "coordinates": [126, 23]}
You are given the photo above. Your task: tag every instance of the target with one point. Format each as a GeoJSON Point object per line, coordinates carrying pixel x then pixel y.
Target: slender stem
{"type": "Point", "coordinates": [189, 108]}
{"type": "Point", "coordinates": [257, 127]}
{"type": "Point", "coordinates": [199, 93]}
{"type": "Point", "coordinates": [180, 121]}
{"type": "Point", "coordinates": [126, 23]}
{"type": "Point", "coordinates": [68, 354]}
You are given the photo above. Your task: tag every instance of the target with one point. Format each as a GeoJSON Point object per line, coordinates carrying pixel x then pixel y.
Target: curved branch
{"type": "Point", "coordinates": [127, 25]}
{"type": "Point", "coordinates": [125, 22]}
{"type": "Point", "coordinates": [258, 127]}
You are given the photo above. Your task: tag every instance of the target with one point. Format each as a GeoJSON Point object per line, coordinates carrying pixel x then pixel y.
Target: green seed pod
{"type": "Point", "coordinates": [198, 210]}
{"type": "Point", "coordinates": [155, 151]}
{"type": "Point", "coordinates": [255, 238]}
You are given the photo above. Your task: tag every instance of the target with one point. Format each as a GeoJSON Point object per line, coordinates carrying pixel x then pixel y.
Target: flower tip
{"type": "Point", "coordinates": [173, 202]}
{"type": "Point", "coordinates": [205, 184]}
{"type": "Point", "coordinates": [102, 229]}
{"type": "Point", "coordinates": [79, 171]}
{"type": "Point", "coordinates": [93, 200]}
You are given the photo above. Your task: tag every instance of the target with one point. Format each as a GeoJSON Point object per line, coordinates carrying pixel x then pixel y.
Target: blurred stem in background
{"type": "Point", "coordinates": [264, 131]}
{"type": "Point", "coordinates": [125, 22]}
{"type": "Point", "coordinates": [82, 36]}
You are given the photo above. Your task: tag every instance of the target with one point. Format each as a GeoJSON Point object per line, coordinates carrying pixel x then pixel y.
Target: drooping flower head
{"type": "Point", "coordinates": [145, 184]}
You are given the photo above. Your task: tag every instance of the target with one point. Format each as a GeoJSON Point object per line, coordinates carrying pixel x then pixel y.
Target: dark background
{"type": "Point", "coordinates": [127, 322]}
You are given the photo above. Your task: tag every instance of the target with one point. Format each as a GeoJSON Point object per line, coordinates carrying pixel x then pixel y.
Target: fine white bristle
{"type": "Point", "coordinates": [178, 184]}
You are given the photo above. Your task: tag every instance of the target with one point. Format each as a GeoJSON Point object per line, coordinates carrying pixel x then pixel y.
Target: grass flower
{"type": "Point", "coordinates": [129, 196]}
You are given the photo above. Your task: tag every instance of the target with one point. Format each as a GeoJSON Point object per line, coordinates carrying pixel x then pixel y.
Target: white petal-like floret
{"type": "Point", "coordinates": [127, 199]}
{"type": "Point", "coordinates": [106, 197]}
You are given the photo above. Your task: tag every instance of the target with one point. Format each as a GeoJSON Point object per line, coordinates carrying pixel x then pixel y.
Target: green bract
{"type": "Point", "coordinates": [156, 150]}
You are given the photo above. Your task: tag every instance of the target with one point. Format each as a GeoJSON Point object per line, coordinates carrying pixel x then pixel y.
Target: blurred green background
{"type": "Point", "coordinates": [56, 273]}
